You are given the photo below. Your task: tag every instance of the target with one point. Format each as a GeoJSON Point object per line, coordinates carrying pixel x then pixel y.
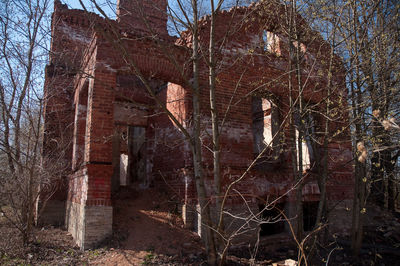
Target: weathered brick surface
{"type": "Point", "coordinates": [133, 21]}
{"type": "Point", "coordinates": [91, 88]}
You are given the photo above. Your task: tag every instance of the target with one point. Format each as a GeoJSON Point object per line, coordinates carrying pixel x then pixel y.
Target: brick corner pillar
{"type": "Point", "coordinates": [89, 210]}
{"type": "Point", "coordinates": [56, 148]}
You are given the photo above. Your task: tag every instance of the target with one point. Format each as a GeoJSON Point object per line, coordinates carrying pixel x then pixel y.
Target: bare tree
{"type": "Point", "coordinates": [23, 54]}
{"type": "Point", "coordinates": [366, 37]}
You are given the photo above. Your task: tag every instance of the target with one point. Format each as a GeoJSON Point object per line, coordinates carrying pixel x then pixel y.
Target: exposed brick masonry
{"type": "Point", "coordinates": [92, 93]}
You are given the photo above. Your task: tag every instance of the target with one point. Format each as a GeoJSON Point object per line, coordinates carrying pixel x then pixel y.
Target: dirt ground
{"type": "Point", "coordinates": [149, 231]}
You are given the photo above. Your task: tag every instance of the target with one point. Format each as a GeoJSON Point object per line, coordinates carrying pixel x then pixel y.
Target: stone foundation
{"type": "Point", "coordinates": [89, 225]}
{"type": "Point", "coordinates": [74, 221]}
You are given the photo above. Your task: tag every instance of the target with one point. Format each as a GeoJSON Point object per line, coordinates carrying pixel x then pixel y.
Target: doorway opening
{"type": "Point", "coordinates": [274, 222]}
{"type": "Point", "coordinates": [136, 167]}
{"type": "Point", "coordinates": [310, 210]}
{"type": "Point", "coordinates": [129, 156]}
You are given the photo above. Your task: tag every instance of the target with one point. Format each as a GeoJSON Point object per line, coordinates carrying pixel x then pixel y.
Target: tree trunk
{"type": "Point", "coordinates": [206, 221]}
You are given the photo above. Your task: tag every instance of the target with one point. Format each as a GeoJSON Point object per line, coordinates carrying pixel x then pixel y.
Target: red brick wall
{"type": "Point", "coordinates": [243, 68]}
{"type": "Point", "coordinates": [133, 15]}
{"type": "Point", "coordinates": [172, 156]}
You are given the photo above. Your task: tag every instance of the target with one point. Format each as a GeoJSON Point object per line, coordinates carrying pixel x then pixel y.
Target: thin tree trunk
{"type": "Point", "coordinates": [197, 157]}
{"type": "Point", "coordinates": [359, 174]}
{"type": "Point", "coordinates": [215, 134]}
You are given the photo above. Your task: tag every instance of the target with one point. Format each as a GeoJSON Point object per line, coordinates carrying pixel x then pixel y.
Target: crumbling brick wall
{"type": "Point", "coordinates": [103, 99]}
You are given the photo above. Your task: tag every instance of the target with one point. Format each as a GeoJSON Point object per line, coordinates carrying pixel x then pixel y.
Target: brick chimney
{"type": "Point", "coordinates": [135, 14]}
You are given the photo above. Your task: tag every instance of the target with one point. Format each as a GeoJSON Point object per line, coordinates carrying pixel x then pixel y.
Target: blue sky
{"type": "Point", "coordinates": [109, 6]}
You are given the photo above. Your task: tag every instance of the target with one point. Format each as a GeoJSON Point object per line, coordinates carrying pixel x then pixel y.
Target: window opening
{"type": "Point", "coordinates": [270, 42]}
{"type": "Point", "coordinates": [265, 40]}
{"type": "Point", "coordinates": [302, 47]}
{"type": "Point", "coordinates": [307, 127]}
{"type": "Point", "coordinates": [79, 137]}
{"type": "Point", "coordinates": [265, 127]}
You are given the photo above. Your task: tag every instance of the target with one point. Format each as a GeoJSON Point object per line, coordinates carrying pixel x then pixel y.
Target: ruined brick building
{"type": "Point", "coordinates": [120, 137]}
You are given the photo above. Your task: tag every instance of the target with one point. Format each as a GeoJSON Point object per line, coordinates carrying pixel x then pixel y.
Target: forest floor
{"type": "Point", "coordinates": [149, 231]}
